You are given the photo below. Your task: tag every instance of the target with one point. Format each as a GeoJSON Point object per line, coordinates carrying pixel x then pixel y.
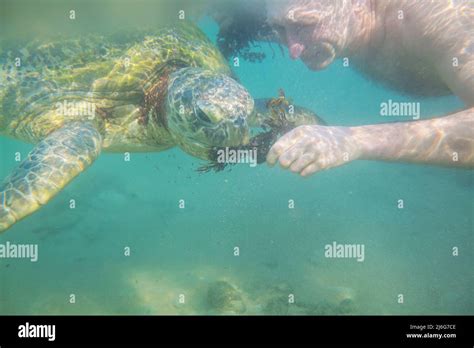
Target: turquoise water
{"type": "Point", "coordinates": [177, 252]}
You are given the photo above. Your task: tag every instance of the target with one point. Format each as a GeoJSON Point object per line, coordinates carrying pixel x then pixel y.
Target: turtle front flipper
{"type": "Point", "coordinates": [50, 166]}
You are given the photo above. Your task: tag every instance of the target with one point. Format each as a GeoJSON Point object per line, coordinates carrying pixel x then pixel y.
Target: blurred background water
{"type": "Point", "coordinates": [182, 251]}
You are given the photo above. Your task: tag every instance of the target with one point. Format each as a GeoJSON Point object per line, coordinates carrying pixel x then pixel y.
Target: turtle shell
{"type": "Point", "coordinates": [114, 72]}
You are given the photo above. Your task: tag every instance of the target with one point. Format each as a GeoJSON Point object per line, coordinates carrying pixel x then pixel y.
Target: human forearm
{"type": "Point", "coordinates": [442, 141]}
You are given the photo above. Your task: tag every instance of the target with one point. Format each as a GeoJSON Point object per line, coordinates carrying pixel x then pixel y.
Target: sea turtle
{"type": "Point", "coordinates": [142, 91]}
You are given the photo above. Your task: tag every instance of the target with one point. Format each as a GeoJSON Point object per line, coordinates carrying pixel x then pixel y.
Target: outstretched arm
{"type": "Point", "coordinates": [447, 141]}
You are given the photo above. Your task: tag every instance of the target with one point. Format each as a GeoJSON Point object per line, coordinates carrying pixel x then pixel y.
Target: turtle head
{"type": "Point", "coordinates": [206, 109]}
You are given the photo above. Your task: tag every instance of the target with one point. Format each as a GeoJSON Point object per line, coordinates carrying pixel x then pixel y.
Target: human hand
{"type": "Point", "coordinates": [308, 149]}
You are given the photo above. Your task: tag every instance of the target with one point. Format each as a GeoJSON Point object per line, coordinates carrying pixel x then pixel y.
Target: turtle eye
{"type": "Point", "coordinates": [202, 116]}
